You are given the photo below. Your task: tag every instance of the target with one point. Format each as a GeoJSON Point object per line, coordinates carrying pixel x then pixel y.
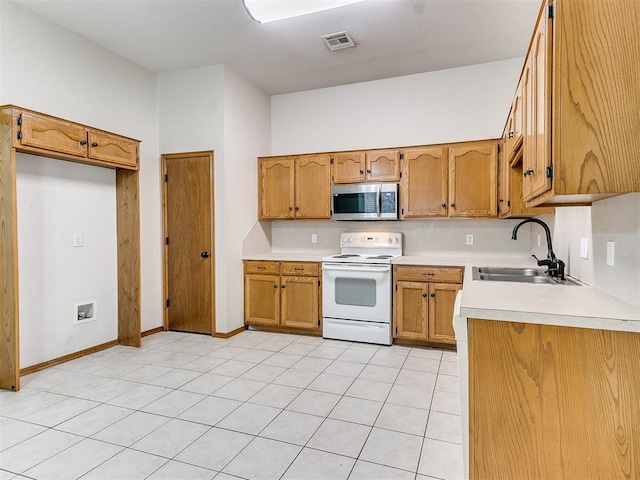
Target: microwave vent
{"type": "Point", "coordinates": [338, 41]}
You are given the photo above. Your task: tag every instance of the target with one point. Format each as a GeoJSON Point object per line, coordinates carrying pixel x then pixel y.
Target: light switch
{"type": "Point", "coordinates": [584, 248]}
{"type": "Point", "coordinates": [469, 239]}
{"type": "Point", "coordinates": [611, 253]}
{"type": "Point", "coordinates": [77, 239]}
{"type": "Point", "coordinates": [314, 238]}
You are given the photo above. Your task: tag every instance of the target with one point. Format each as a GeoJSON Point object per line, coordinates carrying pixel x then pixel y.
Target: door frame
{"type": "Point", "coordinates": [209, 154]}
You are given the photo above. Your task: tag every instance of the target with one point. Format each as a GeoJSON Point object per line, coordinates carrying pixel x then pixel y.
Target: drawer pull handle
{"type": "Point", "coordinates": [428, 274]}
{"type": "Point", "coordinates": [260, 267]}
{"type": "Point", "coordinates": [299, 269]}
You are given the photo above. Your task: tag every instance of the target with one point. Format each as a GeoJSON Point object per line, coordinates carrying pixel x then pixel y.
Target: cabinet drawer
{"type": "Point", "coordinates": [259, 266]}
{"type": "Point", "coordinates": [428, 274]}
{"type": "Point", "coordinates": [299, 268]}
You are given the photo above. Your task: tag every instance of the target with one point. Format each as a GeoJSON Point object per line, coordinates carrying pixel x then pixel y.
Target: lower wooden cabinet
{"type": "Point", "coordinates": [423, 300]}
{"type": "Point", "coordinates": [283, 295]}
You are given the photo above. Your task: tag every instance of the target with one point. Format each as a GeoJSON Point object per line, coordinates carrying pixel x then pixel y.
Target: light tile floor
{"type": "Point", "coordinates": [255, 406]}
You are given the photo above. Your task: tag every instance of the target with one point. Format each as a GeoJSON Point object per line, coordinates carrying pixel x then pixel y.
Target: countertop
{"type": "Point", "coordinates": [566, 305]}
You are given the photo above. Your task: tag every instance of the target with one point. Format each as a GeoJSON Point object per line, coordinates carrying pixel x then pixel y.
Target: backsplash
{"type": "Point", "coordinates": [420, 236]}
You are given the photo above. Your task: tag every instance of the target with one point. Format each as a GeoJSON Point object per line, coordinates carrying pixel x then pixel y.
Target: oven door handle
{"type": "Point", "coordinates": [359, 268]}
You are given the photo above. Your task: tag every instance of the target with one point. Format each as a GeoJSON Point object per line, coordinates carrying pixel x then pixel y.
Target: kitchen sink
{"type": "Point", "coordinates": [519, 275]}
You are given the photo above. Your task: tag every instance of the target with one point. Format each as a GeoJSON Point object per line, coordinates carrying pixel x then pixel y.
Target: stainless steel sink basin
{"type": "Point", "coordinates": [519, 275]}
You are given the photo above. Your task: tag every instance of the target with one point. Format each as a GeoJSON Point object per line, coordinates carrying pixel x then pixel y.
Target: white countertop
{"type": "Point", "coordinates": [565, 305]}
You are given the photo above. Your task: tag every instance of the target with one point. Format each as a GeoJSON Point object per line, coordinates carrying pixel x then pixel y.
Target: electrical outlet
{"type": "Point", "coordinates": [584, 248]}
{"type": "Point", "coordinates": [611, 253]}
{"type": "Point", "coordinates": [314, 238]}
{"type": "Point", "coordinates": [77, 239]}
{"type": "Point", "coordinates": [469, 239]}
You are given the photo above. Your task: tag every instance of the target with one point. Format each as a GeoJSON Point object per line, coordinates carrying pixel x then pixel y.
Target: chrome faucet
{"type": "Point", "coordinates": [555, 267]}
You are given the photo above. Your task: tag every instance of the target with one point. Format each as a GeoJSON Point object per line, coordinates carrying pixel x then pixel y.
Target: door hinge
{"type": "Point", "coordinates": [19, 121]}
{"type": "Point", "coordinates": [508, 203]}
{"type": "Point", "coordinates": [550, 11]}
{"type": "Point", "coordinates": [19, 135]}
{"type": "Point", "coordinates": [318, 282]}
{"type": "Point", "coordinates": [166, 240]}
{"type": "Point", "coordinates": [498, 148]}
{"type": "Point", "coordinates": [318, 322]}
{"type": "Point", "coordinates": [396, 330]}
{"type": "Point", "coordinates": [402, 156]}
{"type": "Point", "coordinates": [550, 172]}
{"type": "Point", "coordinates": [168, 303]}
{"type": "Point", "coordinates": [400, 174]}
{"type": "Point", "coordinates": [396, 287]}
{"type": "Point", "coordinates": [166, 177]}
{"type": "Point", "coordinates": [331, 160]}
{"type": "Point", "coordinates": [402, 211]}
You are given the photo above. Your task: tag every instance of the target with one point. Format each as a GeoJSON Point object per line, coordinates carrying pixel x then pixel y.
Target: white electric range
{"type": "Point", "coordinates": [357, 287]}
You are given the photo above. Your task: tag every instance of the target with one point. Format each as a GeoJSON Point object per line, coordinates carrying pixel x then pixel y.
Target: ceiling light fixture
{"type": "Point", "coordinates": [263, 11]}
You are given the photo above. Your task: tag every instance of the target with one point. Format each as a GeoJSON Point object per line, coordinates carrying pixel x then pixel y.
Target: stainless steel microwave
{"type": "Point", "coordinates": [365, 201]}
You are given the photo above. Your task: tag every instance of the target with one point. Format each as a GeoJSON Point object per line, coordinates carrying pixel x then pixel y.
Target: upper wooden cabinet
{"type": "Point", "coordinates": [369, 166]}
{"type": "Point", "coordinates": [41, 134]}
{"type": "Point", "coordinates": [294, 187]}
{"type": "Point", "coordinates": [458, 180]}
{"type": "Point", "coordinates": [514, 129]}
{"type": "Point", "coordinates": [581, 93]}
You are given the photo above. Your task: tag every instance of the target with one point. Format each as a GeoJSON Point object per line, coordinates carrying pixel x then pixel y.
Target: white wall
{"type": "Point", "coordinates": [49, 69]}
{"type": "Point", "coordinates": [55, 200]}
{"type": "Point", "coordinates": [213, 108]}
{"type": "Point", "coordinates": [445, 106]}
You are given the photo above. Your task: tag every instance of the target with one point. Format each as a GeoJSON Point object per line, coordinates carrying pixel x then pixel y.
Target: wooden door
{"type": "Point", "coordinates": [261, 300]}
{"type": "Point", "coordinates": [299, 302]}
{"type": "Point", "coordinates": [383, 165]}
{"type": "Point", "coordinates": [189, 248]}
{"type": "Point", "coordinates": [473, 180]}
{"type": "Point", "coordinates": [541, 104]}
{"type": "Point", "coordinates": [348, 167]}
{"type": "Point", "coordinates": [503, 174]}
{"type": "Point", "coordinates": [424, 183]}
{"type": "Point", "coordinates": [276, 187]}
{"type": "Point", "coordinates": [518, 122]}
{"type": "Point", "coordinates": [410, 310]}
{"type": "Point", "coordinates": [313, 186]}
{"type": "Point", "coordinates": [442, 297]}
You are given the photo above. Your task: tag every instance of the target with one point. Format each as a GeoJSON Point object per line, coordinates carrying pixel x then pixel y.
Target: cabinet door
{"type": "Point", "coordinates": [503, 176]}
{"type": "Point", "coordinates": [313, 186]}
{"type": "Point", "coordinates": [276, 188]}
{"type": "Point", "coordinates": [53, 135]}
{"type": "Point", "coordinates": [383, 166]}
{"type": "Point", "coordinates": [300, 303]}
{"type": "Point", "coordinates": [348, 167]}
{"type": "Point", "coordinates": [473, 180]}
{"type": "Point", "coordinates": [539, 114]}
{"type": "Point", "coordinates": [442, 297]}
{"type": "Point", "coordinates": [518, 122]}
{"type": "Point", "coordinates": [424, 183]}
{"type": "Point", "coordinates": [410, 310]}
{"type": "Point", "coordinates": [113, 149]}
{"type": "Point", "coordinates": [261, 300]}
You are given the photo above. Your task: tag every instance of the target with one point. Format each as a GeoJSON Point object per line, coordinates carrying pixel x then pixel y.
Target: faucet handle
{"type": "Point", "coordinates": [542, 262]}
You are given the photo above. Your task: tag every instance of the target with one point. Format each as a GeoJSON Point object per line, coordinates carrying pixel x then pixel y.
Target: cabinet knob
{"type": "Point", "coordinates": [453, 205]}
{"type": "Point", "coordinates": [444, 205]}
{"type": "Point", "coordinates": [290, 208]}
{"type": "Point", "coordinates": [282, 286]}
{"type": "Point", "coordinates": [510, 135]}
{"type": "Point", "coordinates": [94, 144]}
{"type": "Point", "coordinates": [83, 142]}
{"type": "Point", "coordinates": [368, 170]}
{"type": "Point", "coordinates": [297, 208]}
{"type": "Point", "coordinates": [204, 254]}
{"type": "Point", "coordinates": [528, 172]}
{"type": "Point", "coordinates": [501, 200]}
{"type": "Point", "coordinates": [275, 286]}
{"type": "Point", "coordinates": [432, 295]}
{"type": "Point", "coordinates": [424, 295]}
{"type": "Point", "coordinates": [361, 172]}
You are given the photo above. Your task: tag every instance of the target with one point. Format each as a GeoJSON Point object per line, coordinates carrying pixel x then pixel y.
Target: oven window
{"type": "Point", "coordinates": [354, 203]}
{"type": "Point", "coordinates": [360, 292]}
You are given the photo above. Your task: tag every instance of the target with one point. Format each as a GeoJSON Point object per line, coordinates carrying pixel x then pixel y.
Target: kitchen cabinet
{"type": "Point", "coordinates": [581, 123]}
{"type": "Point", "coordinates": [294, 187]}
{"type": "Point", "coordinates": [283, 296]}
{"type": "Point", "coordinates": [423, 302]}
{"type": "Point", "coordinates": [41, 134]}
{"type": "Point", "coordinates": [457, 180]}
{"type": "Point", "coordinates": [369, 166]}
{"type": "Point", "coordinates": [570, 395]}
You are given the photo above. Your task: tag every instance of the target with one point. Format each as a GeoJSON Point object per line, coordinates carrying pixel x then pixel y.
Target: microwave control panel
{"type": "Point", "coordinates": [388, 202]}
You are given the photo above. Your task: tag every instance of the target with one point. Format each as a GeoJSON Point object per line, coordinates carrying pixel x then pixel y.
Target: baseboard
{"type": "Point", "coordinates": [152, 331]}
{"type": "Point", "coordinates": [231, 333]}
{"type": "Point", "coordinates": [66, 358]}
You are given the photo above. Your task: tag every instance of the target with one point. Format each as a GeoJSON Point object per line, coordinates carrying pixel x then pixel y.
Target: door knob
{"type": "Point", "coordinates": [204, 254]}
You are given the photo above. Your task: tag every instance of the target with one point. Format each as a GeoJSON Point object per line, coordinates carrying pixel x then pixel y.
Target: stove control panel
{"type": "Point", "coordinates": [371, 240]}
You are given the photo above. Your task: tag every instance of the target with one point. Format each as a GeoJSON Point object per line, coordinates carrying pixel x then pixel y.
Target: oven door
{"type": "Point", "coordinates": [357, 292]}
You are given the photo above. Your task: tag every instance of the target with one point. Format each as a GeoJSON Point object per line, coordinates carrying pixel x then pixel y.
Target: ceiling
{"type": "Point", "coordinates": [393, 37]}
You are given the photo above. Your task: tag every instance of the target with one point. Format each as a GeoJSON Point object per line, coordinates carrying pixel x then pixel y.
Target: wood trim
{"type": "Point", "coordinates": [67, 358]}
{"type": "Point", "coordinates": [422, 343]}
{"type": "Point", "coordinates": [290, 330]}
{"type": "Point", "coordinates": [229, 334]}
{"type": "Point", "coordinates": [128, 227]}
{"type": "Point", "coordinates": [146, 333]}
{"type": "Point", "coordinates": [165, 257]}
{"type": "Point", "coordinates": [9, 332]}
